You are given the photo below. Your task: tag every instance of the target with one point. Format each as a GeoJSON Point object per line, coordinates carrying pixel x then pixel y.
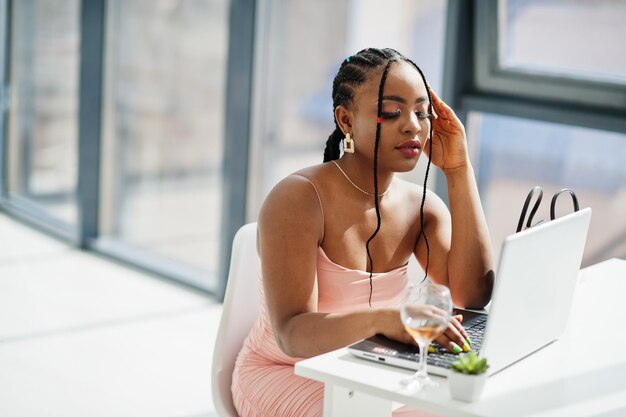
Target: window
{"type": "Point", "coordinates": [511, 155]}
{"type": "Point", "coordinates": [42, 146]}
{"type": "Point", "coordinates": [544, 104]}
{"type": "Point", "coordinates": [558, 51]}
{"type": "Point", "coordinates": [543, 37]}
{"type": "Point", "coordinates": [163, 133]}
{"type": "Point", "coordinates": [303, 44]}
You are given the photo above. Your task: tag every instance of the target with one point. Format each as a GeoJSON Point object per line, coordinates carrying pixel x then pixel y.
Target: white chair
{"type": "Point", "coordinates": [240, 310]}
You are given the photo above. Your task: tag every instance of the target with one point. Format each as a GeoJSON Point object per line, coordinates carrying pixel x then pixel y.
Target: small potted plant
{"type": "Point", "coordinates": [467, 377]}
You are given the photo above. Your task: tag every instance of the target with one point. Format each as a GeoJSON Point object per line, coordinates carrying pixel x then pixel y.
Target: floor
{"type": "Point", "coordinates": [83, 336]}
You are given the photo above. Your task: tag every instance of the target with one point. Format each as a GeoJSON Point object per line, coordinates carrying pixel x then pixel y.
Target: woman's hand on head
{"type": "Point", "coordinates": [449, 141]}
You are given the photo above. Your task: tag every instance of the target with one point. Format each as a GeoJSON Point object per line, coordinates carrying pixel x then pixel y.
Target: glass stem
{"type": "Point", "coordinates": [423, 345]}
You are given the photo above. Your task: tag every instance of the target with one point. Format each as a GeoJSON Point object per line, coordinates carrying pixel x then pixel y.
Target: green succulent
{"type": "Point", "coordinates": [469, 363]}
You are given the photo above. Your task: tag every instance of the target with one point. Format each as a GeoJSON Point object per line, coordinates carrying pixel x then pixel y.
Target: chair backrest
{"type": "Point", "coordinates": [240, 310]}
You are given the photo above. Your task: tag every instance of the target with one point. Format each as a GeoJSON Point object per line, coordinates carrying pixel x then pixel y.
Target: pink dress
{"type": "Point", "coordinates": [264, 383]}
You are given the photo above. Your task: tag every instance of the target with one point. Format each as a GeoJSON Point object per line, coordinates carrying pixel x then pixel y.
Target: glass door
{"type": "Point", "coordinates": [162, 144]}
{"type": "Point", "coordinates": [43, 116]}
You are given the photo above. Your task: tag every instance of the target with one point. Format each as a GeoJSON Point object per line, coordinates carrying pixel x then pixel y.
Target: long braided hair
{"type": "Point", "coordinates": [354, 71]}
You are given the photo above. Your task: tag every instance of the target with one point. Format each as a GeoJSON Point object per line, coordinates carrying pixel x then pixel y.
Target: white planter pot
{"type": "Point", "coordinates": [466, 387]}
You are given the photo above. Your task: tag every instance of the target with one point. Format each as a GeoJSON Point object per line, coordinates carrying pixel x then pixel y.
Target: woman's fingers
{"type": "Point", "coordinates": [456, 321]}
{"type": "Point", "coordinates": [438, 103]}
{"type": "Point", "coordinates": [442, 110]}
{"type": "Point", "coordinates": [454, 338]}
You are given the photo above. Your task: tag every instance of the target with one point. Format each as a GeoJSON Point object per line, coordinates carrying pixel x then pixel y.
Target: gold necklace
{"type": "Point", "coordinates": [356, 186]}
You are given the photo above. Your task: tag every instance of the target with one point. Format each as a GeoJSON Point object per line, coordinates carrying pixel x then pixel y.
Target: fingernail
{"type": "Point", "coordinates": [456, 348]}
{"type": "Point", "coordinates": [431, 349]}
{"type": "Point", "coordinates": [428, 85]}
{"type": "Point", "coordinates": [468, 340]}
{"type": "Point", "coordinates": [466, 347]}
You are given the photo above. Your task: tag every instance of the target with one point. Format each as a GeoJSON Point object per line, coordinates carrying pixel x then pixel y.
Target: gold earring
{"type": "Point", "coordinates": [348, 144]}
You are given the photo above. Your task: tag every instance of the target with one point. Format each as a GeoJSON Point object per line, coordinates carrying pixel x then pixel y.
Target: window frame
{"type": "Point", "coordinates": [4, 91]}
{"type": "Point", "coordinates": [573, 91]}
{"type": "Point", "coordinates": [473, 81]}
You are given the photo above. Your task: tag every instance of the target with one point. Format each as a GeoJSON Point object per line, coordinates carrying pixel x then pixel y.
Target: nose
{"type": "Point", "coordinates": [412, 126]}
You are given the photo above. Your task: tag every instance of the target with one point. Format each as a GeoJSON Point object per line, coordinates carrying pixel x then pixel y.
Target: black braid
{"type": "Point", "coordinates": [430, 152]}
{"type": "Point", "coordinates": [353, 72]}
{"type": "Point", "coordinates": [332, 145]}
{"type": "Point", "coordinates": [376, 203]}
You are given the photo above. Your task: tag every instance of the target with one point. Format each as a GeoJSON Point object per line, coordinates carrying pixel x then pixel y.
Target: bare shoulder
{"type": "Point", "coordinates": [413, 194]}
{"type": "Point", "coordinates": [292, 207]}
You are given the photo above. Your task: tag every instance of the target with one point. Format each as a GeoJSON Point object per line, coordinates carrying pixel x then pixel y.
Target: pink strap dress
{"type": "Point", "coordinates": [264, 383]}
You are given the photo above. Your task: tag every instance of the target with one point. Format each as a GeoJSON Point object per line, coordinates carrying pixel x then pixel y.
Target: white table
{"type": "Point", "coordinates": [581, 374]}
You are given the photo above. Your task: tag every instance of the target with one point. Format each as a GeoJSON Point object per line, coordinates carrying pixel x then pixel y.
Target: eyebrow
{"type": "Point", "coordinates": [403, 101]}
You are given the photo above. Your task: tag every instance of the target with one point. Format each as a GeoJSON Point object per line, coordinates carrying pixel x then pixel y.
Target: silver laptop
{"type": "Point", "coordinates": [531, 300]}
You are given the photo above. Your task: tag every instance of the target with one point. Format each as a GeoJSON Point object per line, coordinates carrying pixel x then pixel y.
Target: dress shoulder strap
{"type": "Point", "coordinates": [319, 199]}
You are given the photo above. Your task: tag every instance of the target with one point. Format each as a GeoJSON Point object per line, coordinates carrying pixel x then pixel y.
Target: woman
{"type": "Point", "coordinates": [332, 271]}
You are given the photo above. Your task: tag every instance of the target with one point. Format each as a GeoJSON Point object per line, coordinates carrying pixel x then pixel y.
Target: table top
{"type": "Point", "coordinates": [582, 373]}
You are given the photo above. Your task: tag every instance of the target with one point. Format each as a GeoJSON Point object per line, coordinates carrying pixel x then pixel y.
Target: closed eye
{"type": "Point", "coordinates": [393, 115]}
{"type": "Point", "coordinates": [388, 115]}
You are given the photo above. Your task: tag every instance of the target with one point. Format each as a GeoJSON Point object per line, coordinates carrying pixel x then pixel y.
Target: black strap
{"type": "Point", "coordinates": [536, 190]}
{"type": "Point", "coordinates": [539, 192]}
{"type": "Point", "coordinates": [554, 198]}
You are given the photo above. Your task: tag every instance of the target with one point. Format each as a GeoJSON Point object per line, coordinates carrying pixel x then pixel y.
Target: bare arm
{"type": "Point", "coordinates": [461, 253]}
{"type": "Point", "coordinates": [290, 231]}
{"type": "Point", "coordinates": [470, 261]}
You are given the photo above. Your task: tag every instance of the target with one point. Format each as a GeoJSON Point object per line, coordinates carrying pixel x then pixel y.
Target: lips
{"type": "Point", "coordinates": [410, 148]}
{"type": "Point", "coordinates": [410, 144]}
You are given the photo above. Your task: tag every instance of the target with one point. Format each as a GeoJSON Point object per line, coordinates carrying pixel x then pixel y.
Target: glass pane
{"type": "Point", "coordinates": [512, 155]}
{"type": "Point", "coordinates": [295, 115]}
{"type": "Point", "coordinates": [163, 133]}
{"type": "Point", "coordinates": [43, 118]}
{"type": "Point", "coordinates": [577, 39]}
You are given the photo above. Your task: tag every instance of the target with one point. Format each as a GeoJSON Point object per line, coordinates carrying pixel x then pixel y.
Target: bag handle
{"type": "Point", "coordinates": [538, 191]}
{"type": "Point", "coordinates": [553, 203]}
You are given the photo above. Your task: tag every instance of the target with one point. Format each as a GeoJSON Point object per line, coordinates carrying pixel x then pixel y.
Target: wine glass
{"type": "Point", "coordinates": [425, 314]}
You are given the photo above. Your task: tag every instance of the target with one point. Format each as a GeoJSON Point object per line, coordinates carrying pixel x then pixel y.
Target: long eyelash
{"type": "Point", "coordinates": [393, 115]}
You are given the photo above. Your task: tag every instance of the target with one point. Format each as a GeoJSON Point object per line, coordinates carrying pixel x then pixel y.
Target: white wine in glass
{"type": "Point", "coordinates": [425, 314]}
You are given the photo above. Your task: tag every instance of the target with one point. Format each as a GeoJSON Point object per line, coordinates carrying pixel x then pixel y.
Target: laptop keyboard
{"type": "Point", "coordinates": [475, 330]}
{"type": "Point", "coordinates": [378, 346]}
